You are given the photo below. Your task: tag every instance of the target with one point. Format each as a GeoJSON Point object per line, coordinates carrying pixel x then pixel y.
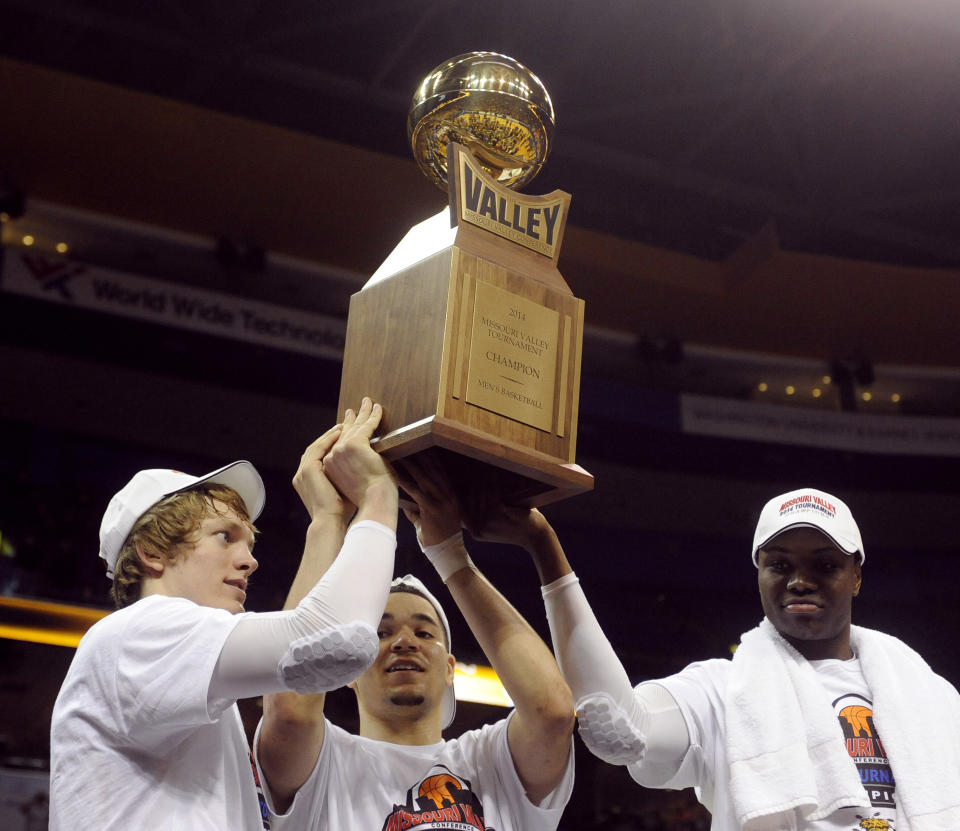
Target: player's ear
{"type": "Point", "coordinates": [451, 668]}
{"type": "Point", "coordinates": [151, 561]}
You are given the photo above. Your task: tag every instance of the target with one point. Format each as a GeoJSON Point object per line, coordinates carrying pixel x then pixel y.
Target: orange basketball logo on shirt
{"type": "Point", "coordinates": [860, 733]}
{"type": "Point", "coordinates": [437, 789]}
{"type": "Point", "coordinates": [440, 800]}
{"type": "Point", "coordinates": [856, 717]}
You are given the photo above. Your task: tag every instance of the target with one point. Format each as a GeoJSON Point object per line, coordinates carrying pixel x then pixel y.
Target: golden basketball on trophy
{"type": "Point", "coordinates": [492, 105]}
{"type": "Point", "coordinates": [467, 334]}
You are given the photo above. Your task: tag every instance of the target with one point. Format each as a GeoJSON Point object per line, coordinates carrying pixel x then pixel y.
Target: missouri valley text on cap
{"type": "Point", "coordinates": [808, 508]}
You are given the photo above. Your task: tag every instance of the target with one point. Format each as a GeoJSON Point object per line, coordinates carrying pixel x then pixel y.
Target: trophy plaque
{"type": "Point", "coordinates": [467, 334]}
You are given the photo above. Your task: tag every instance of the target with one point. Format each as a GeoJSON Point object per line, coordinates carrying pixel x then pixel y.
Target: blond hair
{"type": "Point", "coordinates": [166, 526]}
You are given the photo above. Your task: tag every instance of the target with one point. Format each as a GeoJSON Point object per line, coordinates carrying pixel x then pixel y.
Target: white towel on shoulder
{"type": "Point", "coordinates": [788, 760]}
{"type": "Point", "coordinates": [917, 716]}
{"type": "Point", "coordinates": [785, 746]}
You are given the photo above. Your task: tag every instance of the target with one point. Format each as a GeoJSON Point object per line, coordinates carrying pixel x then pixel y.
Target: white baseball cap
{"type": "Point", "coordinates": [148, 487]}
{"type": "Point", "coordinates": [449, 707]}
{"type": "Point", "coordinates": [808, 508]}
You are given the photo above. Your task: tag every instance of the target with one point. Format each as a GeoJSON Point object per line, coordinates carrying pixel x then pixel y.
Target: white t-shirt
{"type": "Point", "coordinates": [699, 692]}
{"type": "Point", "coordinates": [466, 784]}
{"type": "Point", "coordinates": [134, 743]}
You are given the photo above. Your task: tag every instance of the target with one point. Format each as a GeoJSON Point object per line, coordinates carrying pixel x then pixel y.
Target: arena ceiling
{"type": "Point", "coordinates": [687, 124]}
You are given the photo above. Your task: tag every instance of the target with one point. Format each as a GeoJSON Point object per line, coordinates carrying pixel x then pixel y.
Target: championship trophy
{"type": "Point", "coordinates": [467, 334]}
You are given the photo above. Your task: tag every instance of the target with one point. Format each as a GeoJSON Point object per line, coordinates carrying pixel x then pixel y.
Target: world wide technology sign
{"type": "Point", "coordinates": [172, 304]}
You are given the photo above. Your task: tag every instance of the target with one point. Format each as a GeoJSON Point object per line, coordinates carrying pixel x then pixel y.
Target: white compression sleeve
{"type": "Point", "coordinates": [345, 604]}
{"type": "Point", "coordinates": [617, 723]}
{"type": "Point", "coordinates": [583, 652]}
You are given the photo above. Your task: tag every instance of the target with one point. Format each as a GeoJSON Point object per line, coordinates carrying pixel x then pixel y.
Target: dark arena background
{"type": "Point", "coordinates": [764, 228]}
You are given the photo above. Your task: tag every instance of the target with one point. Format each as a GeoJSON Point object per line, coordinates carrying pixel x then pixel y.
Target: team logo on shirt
{"type": "Point", "coordinates": [874, 823]}
{"type": "Point", "coordinates": [866, 750]}
{"type": "Point", "coordinates": [442, 800]}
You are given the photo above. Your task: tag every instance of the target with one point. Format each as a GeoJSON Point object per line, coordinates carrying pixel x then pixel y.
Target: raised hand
{"type": "Point", "coordinates": [353, 466]}
{"type": "Point", "coordinates": [317, 493]}
{"type": "Point", "coordinates": [438, 509]}
{"type": "Point", "coordinates": [514, 524]}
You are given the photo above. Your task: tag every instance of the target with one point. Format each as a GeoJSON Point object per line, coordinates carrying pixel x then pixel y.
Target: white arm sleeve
{"type": "Point", "coordinates": [338, 618]}
{"type": "Point", "coordinates": [617, 723]}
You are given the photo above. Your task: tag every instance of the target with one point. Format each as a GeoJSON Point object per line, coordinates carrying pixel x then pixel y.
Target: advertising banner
{"type": "Point", "coordinates": [171, 304]}
{"type": "Point", "coordinates": [857, 432]}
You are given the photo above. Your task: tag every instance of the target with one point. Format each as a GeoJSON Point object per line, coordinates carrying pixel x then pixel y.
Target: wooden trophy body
{"type": "Point", "coordinates": [471, 340]}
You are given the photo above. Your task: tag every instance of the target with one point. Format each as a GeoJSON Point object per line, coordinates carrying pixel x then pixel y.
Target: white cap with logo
{"type": "Point", "coordinates": [808, 508]}
{"type": "Point", "coordinates": [449, 707]}
{"type": "Point", "coordinates": [148, 487]}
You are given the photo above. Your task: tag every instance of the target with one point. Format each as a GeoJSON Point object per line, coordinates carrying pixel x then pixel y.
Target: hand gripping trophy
{"type": "Point", "coordinates": [467, 334]}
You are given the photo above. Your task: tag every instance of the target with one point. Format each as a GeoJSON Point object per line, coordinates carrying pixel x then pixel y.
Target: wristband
{"type": "Point", "coordinates": [449, 556]}
{"type": "Point", "coordinates": [559, 583]}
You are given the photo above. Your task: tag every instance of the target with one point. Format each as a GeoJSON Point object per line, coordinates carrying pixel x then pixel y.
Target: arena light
{"type": "Point", "coordinates": [40, 621]}
{"type": "Point", "coordinates": [6, 546]}
{"type": "Point", "coordinates": [480, 685]}
{"type": "Point", "coordinates": [62, 624]}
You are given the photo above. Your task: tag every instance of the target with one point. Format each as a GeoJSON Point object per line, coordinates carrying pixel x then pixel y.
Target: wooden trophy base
{"type": "Point", "coordinates": [417, 343]}
{"type": "Point", "coordinates": [471, 340]}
